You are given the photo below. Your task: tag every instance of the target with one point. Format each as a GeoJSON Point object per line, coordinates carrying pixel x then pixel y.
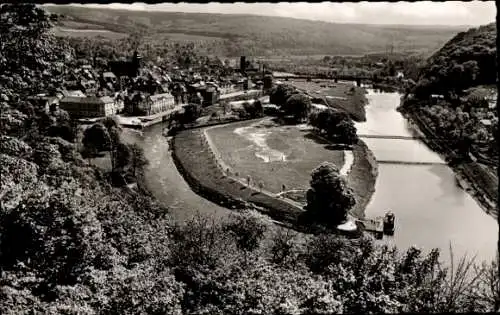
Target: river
{"type": "Point", "coordinates": [165, 182]}
{"type": "Point", "coordinates": [431, 209]}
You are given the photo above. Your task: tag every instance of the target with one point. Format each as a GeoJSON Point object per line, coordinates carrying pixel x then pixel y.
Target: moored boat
{"type": "Point", "coordinates": [389, 223]}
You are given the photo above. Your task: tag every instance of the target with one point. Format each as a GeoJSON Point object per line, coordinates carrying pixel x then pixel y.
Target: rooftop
{"type": "Point", "coordinates": [160, 96]}
{"type": "Point", "coordinates": [108, 75]}
{"type": "Point", "coordinates": [88, 100]}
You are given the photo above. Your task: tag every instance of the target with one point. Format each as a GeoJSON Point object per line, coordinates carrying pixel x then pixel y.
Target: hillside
{"type": "Point", "coordinates": [468, 59]}
{"type": "Point", "coordinates": [259, 35]}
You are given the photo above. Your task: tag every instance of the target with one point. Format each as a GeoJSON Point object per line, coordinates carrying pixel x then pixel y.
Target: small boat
{"type": "Point", "coordinates": [389, 223]}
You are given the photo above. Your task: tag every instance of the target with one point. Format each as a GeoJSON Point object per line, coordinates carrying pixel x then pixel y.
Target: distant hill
{"type": "Point", "coordinates": [467, 60]}
{"type": "Point", "coordinates": [260, 35]}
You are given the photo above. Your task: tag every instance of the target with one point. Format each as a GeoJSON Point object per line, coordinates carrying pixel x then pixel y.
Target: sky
{"type": "Point", "coordinates": [403, 13]}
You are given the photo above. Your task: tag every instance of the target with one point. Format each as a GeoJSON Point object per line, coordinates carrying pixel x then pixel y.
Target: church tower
{"type": "Point", "coordinates": [136, 63]}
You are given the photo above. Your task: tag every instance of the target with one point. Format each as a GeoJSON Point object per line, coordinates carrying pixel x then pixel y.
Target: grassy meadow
{"type": "Point", "coordinates": [303, 152]}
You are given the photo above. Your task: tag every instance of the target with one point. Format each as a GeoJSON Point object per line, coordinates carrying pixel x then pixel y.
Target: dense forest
{"type": "Point", "coordinates": [71, 242]}
{"type": "Point", "coordinates": [463, 72]}
{"type": "Point", "coordinates": [235, 35]}
{"type": "Point", "coordinates": [467, 60]}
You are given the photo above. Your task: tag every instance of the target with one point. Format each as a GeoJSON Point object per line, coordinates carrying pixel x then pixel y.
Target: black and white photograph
{"type": "Point", "coordinates": [242, 158]}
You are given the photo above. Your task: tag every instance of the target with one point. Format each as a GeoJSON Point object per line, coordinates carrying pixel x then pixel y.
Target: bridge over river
{"type": "Point", "coordinates": [409, 162]}
{"type": "Point", "coordinates": [393, 144]}
{"type": "Point", "coordinates": [391, 137]}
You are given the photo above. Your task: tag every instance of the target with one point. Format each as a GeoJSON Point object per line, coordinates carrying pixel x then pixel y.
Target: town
{"type": "Point", "coordinates": [166, 162]}
{"type": "Point", "coordinates": [135, 89]}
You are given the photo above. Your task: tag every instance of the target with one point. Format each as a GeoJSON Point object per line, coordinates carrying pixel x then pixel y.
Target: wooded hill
{"type": "Point", "coordinates": [234, 35]}
{"type": "Point", "coordinates": [467, 60]}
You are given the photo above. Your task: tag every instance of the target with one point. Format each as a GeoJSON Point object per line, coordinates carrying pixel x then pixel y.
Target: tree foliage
{"type": "Point", "coordinates": [280, 93]}
{"type": "Point", "coordinates": [468, 59]}
{"type": "Point", "coordinates": [334, 125]}
{"type": "Point", "coordinates": [97, 138]}
{"type": "Point", "coordinates": [298, 106]}
{"type": "Point", "coordinates": [329, 199]}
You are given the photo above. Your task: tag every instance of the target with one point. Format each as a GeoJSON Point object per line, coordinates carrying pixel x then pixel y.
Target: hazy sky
{"type": "Point", "coordinates": [414, 13]}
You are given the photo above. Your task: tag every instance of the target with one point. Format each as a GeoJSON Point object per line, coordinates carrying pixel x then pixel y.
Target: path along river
{"type": "Point", "coordinates": [431, 209]}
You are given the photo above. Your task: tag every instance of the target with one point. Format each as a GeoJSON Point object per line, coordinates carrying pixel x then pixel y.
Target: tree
{"type": "Point", "coordinates": [97, 138]}
{"type": "Point", "coordinates": [243, 110]}
{"type": "Point", "coordinates": [27, 50]}
{"type": "Point", "coordinates": [57, 242]}
{"type": "Point", "coordinates": [123, 156]}
{"type": "Point", "coordinates": [279, 94]}
{"type": "Point", "coordinates": [347, 132]}
{"type": "Point", "coordinates": [261, 185]}
{"type": "Point", "coordinates": [111, 122]}
{"type": "Point", "coordinates": [298, 106]}
{"type": "Point", "coordinates": [248, 231]}
{"type": "Point", "coordinates": [138, 159]}
{"type": "Point", "coordinates": [253, 109]}
{"type": "Point", "coordinates": [259, 109]}
{"type": "Point", "coordinates": [115, 147]}
{"type": "Point", "coordinates": [191, 113]}
{"type": "Point", "coordinates": [329, 199]}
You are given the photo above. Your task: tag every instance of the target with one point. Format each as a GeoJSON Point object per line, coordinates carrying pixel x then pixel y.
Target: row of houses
{"type": "Point", "coordinates": [94, 106]}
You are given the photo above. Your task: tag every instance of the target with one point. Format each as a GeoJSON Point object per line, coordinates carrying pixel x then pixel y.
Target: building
{"type": "Point", "coordinates": [92, 106]}
{"type": "Point", "coordinates": [161, 102]}
{"type": "Point", "coordinates": [62, 93]}
{"type": "Point", "coordinates": [109, 77]}
{"type": "Point", "coordinates": [211, 96]}
{"type": "Point", "coordinates": [89, 86]}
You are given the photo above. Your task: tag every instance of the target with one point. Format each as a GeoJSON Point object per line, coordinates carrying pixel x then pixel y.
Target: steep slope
{"type": "Point", "coordinates": [468, 59]}
{"type": "Point", "coordinates": [251, 34]}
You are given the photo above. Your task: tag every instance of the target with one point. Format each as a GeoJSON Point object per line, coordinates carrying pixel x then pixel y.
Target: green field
{"type": "Point", "coordinates": [341, 95]}
{"type": "Point", "coordinates": [81, 32]}
{"type": "Point", "coordinates": [266, 139]}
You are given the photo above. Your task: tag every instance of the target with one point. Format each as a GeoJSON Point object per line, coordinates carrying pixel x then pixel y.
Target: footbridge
{"type": "Point", "coordinates": [391, 137]}
{"type": "Point", "coordinates": [410, 162]}
{"type": "Point", "coordinates": [321, 77]}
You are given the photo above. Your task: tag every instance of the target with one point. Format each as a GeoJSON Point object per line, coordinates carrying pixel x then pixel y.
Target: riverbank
{"type": "Point", "coordinates": [473, 178]}
{"type": "Point", "coordinates": [362, 178]}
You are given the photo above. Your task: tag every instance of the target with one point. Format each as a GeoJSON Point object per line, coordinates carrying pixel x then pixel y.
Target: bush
{"type": "Point", "coordinates": [247, 230]}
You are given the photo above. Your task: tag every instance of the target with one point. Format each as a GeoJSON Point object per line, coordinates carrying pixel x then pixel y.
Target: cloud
{"type": "Point", "coordinates": [411, 13]}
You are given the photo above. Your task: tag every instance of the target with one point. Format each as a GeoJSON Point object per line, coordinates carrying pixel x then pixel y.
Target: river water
{"type": "Point", "coordinates": [431, 209]}
{"type": "Point", "coordinates": [165, 182]}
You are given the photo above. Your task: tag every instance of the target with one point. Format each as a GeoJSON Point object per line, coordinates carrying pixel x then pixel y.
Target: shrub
{"type": "Point", "coordinates": [247, 230]}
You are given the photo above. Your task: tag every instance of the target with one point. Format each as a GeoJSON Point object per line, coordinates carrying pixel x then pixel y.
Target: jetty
{"type": "Point", "coordinates": [375, 226]}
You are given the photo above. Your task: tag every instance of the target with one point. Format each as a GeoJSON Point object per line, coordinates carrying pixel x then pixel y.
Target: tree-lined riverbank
{"type": "Point", "coordinates": [477, 179]}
